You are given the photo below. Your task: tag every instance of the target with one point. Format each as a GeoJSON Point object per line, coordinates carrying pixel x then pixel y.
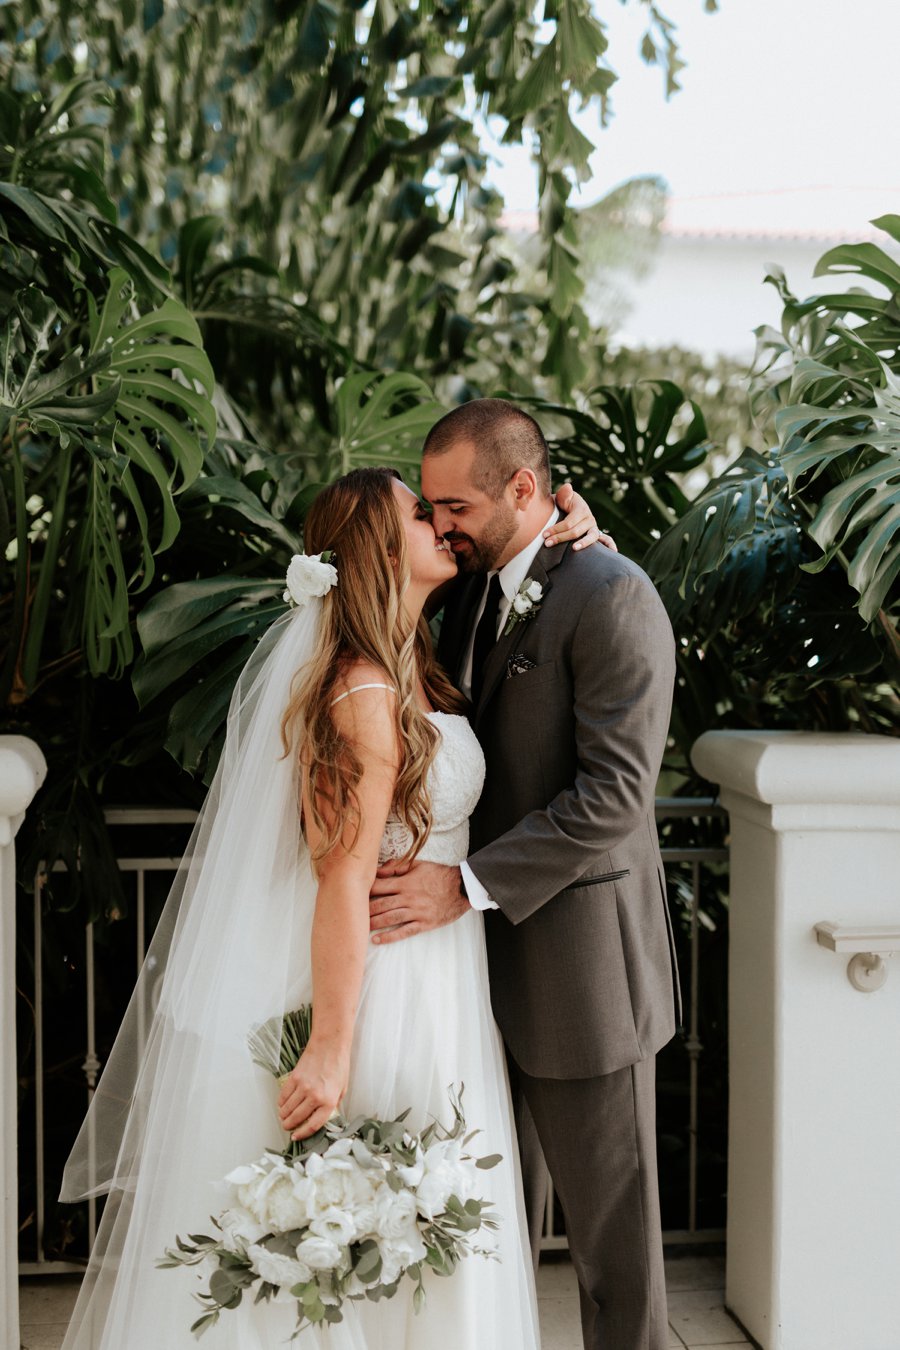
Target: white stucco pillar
{"type": "Point", "coordinates": [22, 770]}
{"type": "Point", "coordinates": [814, 1105]}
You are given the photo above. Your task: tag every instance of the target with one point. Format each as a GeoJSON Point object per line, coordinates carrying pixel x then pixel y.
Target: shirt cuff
{"type": "Point", "coordinates": [477, 896]}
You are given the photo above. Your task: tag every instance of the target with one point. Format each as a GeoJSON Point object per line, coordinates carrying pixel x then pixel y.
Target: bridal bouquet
{"type": "Point", "coordinates": [345, 1214]}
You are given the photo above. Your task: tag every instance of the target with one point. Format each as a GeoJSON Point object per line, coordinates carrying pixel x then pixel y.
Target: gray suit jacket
{"type": "Point", "coordinates": [581, 954]}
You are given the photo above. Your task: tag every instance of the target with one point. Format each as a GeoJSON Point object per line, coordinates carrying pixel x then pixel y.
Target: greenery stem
{"type": "Point", "coordinates": [883, 620]}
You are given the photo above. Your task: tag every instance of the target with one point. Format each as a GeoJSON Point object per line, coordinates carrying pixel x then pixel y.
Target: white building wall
{"type": "Point", "coordinates": [708, 293]}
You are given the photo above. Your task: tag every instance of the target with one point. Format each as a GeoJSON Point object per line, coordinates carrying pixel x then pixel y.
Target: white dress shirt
{"type": "Point", "coordinates": [512, 574]}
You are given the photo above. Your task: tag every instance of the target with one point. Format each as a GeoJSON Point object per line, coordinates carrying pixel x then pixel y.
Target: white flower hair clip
{"type": "Point", "coordinates": [309, 577]}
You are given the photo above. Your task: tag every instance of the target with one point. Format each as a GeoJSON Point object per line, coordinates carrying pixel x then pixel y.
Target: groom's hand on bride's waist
{"type": "Point", "coordinates": [407, 899]}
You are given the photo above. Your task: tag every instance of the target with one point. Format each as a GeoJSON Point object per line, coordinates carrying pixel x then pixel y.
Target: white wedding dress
{"type": "Point", "coordinates": [424, 1025]}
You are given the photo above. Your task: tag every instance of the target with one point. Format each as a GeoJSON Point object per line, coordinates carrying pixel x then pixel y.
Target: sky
{"type": "Point", "coordinates": [776, 95]}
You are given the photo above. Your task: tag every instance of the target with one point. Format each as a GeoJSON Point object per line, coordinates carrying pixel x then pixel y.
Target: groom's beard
{"type": "Point", "coordinates": [480, 554]}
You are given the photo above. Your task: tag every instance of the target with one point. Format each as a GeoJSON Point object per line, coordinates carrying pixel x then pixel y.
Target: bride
{"type": "Point", "coordinates": [342, 718]}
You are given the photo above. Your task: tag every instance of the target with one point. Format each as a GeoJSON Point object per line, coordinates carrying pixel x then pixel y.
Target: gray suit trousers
{"type": "Point", "coordinates": [598, 1136]}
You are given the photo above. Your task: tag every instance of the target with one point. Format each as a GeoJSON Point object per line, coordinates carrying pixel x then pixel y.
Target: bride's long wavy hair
{"type": "Point", "coordinates": [363, 619]}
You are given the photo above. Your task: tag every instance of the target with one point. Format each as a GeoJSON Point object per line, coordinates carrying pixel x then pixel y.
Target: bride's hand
{"type": "Point", "coordinates": [577, 522]}
{"type": "Point", "coordinates": [312, 1091]}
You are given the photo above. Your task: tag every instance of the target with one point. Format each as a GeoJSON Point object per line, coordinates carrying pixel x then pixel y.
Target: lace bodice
{"type": "Point", "coordinates": [455, 780]}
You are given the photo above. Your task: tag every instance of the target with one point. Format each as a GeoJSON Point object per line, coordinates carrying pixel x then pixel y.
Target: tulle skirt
{"type": "Point", "coordinates": [424, 1026]}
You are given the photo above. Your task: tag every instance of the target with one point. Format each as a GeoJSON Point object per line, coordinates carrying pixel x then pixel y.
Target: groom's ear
{"type": "Point", "coordinates": [525, 485]}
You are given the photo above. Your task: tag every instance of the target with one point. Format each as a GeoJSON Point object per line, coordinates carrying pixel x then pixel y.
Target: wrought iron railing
{"type": "Point", "coordinates": [689, 859]}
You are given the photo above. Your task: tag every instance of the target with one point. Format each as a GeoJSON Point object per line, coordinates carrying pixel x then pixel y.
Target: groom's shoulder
{"type": "Point", "coordinates": [597, 587]}
{"type": "Point", "coordinates": [587, 569]}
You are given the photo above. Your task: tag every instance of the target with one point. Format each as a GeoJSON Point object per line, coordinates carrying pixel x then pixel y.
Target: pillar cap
{"type": "Point", "coordinates": [802, 767]}
{"type": "Point", "coordinates": [22, 771]}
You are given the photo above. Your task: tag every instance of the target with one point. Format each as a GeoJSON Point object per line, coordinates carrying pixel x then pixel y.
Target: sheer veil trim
{"type": "Point", "coordinates": [231, 947]}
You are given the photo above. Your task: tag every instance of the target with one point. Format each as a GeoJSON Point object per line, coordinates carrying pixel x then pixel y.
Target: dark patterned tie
{"type": "Point", "coordinates": [485, 635]}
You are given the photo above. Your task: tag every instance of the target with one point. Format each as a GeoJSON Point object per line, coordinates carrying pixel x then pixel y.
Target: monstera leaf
{"type": "Point", "coordinates": [196, 636]}
{"type": "Point", "coordinates": [383, 419]}
{"type": "Point", "coordinates": [860, 515]}
{"type": "Point", "coordinates": [156, 360]}
{"type": "Point", "coordinates": [754, 573]}
{"type": "Point", "coordinates": [135, 403]}
{"type": "Point", "coordinates": [726, 513]}
{"type": "Point", "coordinates": [625, 450]}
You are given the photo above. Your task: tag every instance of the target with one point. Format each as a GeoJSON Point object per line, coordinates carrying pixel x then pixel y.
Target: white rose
{"type": "Point", "coordinates": [250, 1184]}
{"type": "Point", "coordinates": [340, 1183]}
{"type": "Point", "coordinates": [364, 1220]}
{"type": "Point", "coordinates": [286, 1205]}
{"type": "Point", "coordinates": [400, 1251]}
{"type": "Point", "coordinates": [277, 1268]}
{"type": "Point", "coordinates": [534, 590]}
{"type": "Point", "coordinates": [445, 1175]}
{"type": "Point", "coordinates": [319, 1253]}
{"type": "Point", "coordinates": [270, 1173]}
{"type": "Point", "coordinates": [521, 604]}
{"type": "Point", "coordinates": [308, 577]}
{"type": "Point", "coordinates": [340, 1225]}
{"type": "Point", "coordinates": [241, 1225]}
{"type": "Point", "coordinates": [394, 1210]}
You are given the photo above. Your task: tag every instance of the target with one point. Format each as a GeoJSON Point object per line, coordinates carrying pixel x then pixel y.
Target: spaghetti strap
{"type": "Point", "coordinates": [357, 687]}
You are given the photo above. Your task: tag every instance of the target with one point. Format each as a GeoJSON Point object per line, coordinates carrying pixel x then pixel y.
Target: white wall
{"type": "Point", "coordinates": [707, 294]}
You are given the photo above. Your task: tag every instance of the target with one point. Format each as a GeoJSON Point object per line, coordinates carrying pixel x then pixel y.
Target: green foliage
{"type": "Point", "coordinates": [718, 385]}
{"type": "Point", "coordinates": [105, 397]}
{"type": "Point", "coordinates": [790, 557]}
{"type": "Point", "coordinates": [348, 146]}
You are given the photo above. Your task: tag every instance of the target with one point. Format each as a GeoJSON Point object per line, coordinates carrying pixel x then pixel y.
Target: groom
{"type": "Point", "coordinates": [568, 658]}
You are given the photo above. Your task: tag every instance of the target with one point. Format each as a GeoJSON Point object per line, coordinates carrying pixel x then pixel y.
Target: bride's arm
{"type": "Point", "coordinates": [340, 932]}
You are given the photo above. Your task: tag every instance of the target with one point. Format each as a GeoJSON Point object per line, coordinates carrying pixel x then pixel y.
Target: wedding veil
{"type": "Point", "coordinates": [179, 1101]}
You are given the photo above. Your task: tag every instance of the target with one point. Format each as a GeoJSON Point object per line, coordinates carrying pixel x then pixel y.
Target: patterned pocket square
{"type": "Point", "coordinates": [518, 663]}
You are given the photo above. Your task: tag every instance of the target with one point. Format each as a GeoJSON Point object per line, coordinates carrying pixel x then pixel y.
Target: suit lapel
{"type": "Point", "coordinates": [495, 665]}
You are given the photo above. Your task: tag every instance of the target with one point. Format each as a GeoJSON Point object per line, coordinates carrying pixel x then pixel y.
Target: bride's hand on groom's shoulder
{"type": "Point", "coordinates": [414, 898]}
{"type": "Point", "coordinates": [576, 523]}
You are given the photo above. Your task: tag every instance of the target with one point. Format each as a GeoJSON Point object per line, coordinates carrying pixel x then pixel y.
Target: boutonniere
{"type": "Point", "coordinates": [526, 603]}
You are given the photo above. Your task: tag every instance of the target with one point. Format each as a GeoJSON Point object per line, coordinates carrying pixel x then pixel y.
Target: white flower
{"type": "Point", "coordinates": [241, 1225]}
{"type": "Point", "coordinates": [525, 603]}
{"type": "Point", "coordinates": [394, 1211]}
{"type": "Point", "coordinates": [411, 1175]}
{"type": "Point", "coordinates": [319, 1253]}
{"type": "Point", "coordinates": [445, 1175]}
{"type": "Point", "coordinates": [244, 1175]}
{"type": "Point", "coordinates": [400, 1252]}
{"type": "Point", "coordinates": [340, 1225]}
{"type": "Point", "coordinates": [277, 1268]}
{"type": "Point", "coordinates": [274, 1193]}
{"type": "Point", "coordinates": [308, 577]}
{"type": "Point", "coordinates": [340, 1182]}
{"type": "Point", "coordinates": [289, 1203]}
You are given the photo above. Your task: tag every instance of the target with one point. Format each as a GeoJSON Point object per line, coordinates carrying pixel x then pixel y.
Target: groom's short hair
{"type": "Point", "coordinates": [505, 439]}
